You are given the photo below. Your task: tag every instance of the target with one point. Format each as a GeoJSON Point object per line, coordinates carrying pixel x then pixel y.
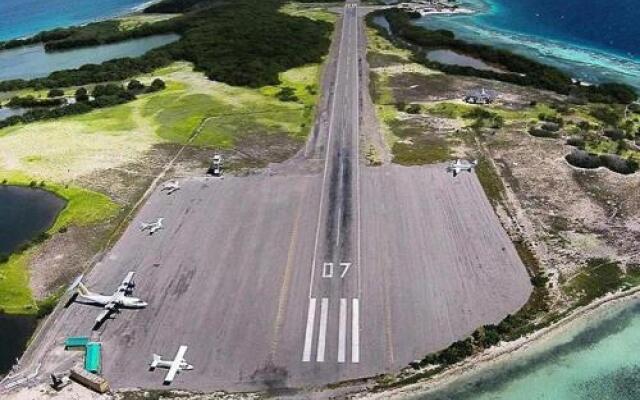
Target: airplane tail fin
{"type": "Point", "coordinates": [155, 361]}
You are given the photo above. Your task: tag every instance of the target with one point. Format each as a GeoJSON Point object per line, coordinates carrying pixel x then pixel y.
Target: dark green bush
{"type": "Point", "coordinates": [582, 159]}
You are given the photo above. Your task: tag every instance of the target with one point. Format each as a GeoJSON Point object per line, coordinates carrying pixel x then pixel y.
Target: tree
{"type": "Point", "coordinates": [82, 95]}
{"type": "Point", "coordinates": [135, 86]}
{"type": "Point", "coordinates": [55, 93]}
{"type": "Point", "coordinates": [156, 85]}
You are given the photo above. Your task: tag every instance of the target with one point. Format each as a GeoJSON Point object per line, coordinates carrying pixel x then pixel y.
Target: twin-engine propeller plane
{"type": "Point", "coordinates": [152, 227]}
{"type": "Point", "coordinates": [178, 364]}
{"type": "Point", "coordinates": [461, 165]}
{"type": "Point", "coordinates": [121, 298]}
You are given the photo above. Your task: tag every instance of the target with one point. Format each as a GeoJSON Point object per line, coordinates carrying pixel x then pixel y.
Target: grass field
{"type": "Point", "coordinates": [62, 151]}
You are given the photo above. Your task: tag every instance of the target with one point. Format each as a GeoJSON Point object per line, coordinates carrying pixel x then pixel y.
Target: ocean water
{"type": "Point", "coordinates": [594, 359]}
{"type": "Point", "coordinates": [593, 40]}
{"type": "Point", "coordinates": [20, 18]}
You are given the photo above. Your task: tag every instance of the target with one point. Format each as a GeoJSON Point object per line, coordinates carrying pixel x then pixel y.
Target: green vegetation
{"type": "Point", "coordinates": [93, 34]}
{"type": "Point", "coordinates": [83, 208]}
{"type": "Point", "coordinates": [216, 36]}
{"type": "Point", "coordinates": [490, 181]}
{"type": "Point", "coordinates": [522, 71]}
{"type": "Point", "coordinates": [15, 294]}
{"type": "Point", "coordinates": [599, 277]}
{"type": "Point", "coordinates": [421, 150]}
{"type": "Point", "coordinates": [108, 95]}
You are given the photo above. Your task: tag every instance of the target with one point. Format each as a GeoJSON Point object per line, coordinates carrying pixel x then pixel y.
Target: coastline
{"type": "Point", "coordinates": [585, 63]}
{"type": "Point", "coordinates": [127, 12]}
{"type": "Point", "coordinates": [506, 351]}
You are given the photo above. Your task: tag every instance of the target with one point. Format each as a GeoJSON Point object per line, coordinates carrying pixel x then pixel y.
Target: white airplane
{"type": "Point", "coordinates": [152, 227]}
{"type": "Point", "coordinates": [461, 165]}
{"type": "Point", "coordinates": [178, 364]}
{"type": "Point", "coordinates": [121, 298]}
{"type": "Point", "coordinates": [170, 187]}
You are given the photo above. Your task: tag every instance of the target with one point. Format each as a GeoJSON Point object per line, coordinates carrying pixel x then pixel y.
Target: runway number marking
{"type": "Point", "coordinates": [346, 267]}
{"type": "Point", "coordinates": [327, 269]}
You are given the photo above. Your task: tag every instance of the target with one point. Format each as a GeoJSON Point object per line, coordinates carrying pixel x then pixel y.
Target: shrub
{"type": "Point", "coordinates": [82, 95]}
{"type": "Point", "coordinates": [614, 134]}
{"type": "Point", "coordinates": [55, 93]}
{"type": "Point", "coordinates": [135, 86]}
{"type": "Point", "coordinates": [542, 133]}
{"type": "Point", "coordinates": [287, 94]}
{"type": "Point", "coordinates": [157, 85]}
{"type": "Point", "coordinates": [577, 141]}
{"type": "Point", "coordinates": [582, 159]}
{"type": "Point", "coordinates": [618, 164]}
{"type": "Point", "coordinates": [413, 109]}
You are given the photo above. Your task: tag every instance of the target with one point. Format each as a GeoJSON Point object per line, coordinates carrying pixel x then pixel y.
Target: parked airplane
{"type": "Point", "coordinates": [461, 165]}
{"type": "Point", "coordinates": [170, 187]}
{"type": "Point", "coordinates": [152, 227]}
{"type": "Point", "coordinates": [174, 366]}
{"type": "Point", "coordinates": [113, 303]}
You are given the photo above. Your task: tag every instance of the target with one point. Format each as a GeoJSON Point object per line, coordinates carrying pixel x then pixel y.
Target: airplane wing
{"type": "Point", "coordinates": [103, 316]}
{"type": "Point", "coordinates": [127, 282]}
{"type": "Point", "coordinates": [175, 365]}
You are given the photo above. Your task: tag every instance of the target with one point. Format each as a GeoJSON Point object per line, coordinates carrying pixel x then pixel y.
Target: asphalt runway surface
{"type": "Point", "coordinates": [301, 279]}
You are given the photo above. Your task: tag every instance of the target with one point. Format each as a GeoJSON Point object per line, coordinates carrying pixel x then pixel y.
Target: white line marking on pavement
{"type": "Point", "coordinates": [308, 336]}
{"type": "Point", "coordinates": [355, 332]}
{"type": "Point", "coordinates": [342, 331]}
{"type": "Point", "coordinates": [327, 270]}
{"type": "Point", "coordinates": [345, 269]}
{"type": "Point", "coordinates": [322, 336]}
{"type": "Point", "coordinates": [326, 159]}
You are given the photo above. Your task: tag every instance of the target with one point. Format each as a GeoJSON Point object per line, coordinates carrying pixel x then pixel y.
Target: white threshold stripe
{"type": "Point", "coordinates": [308, 336]}
{"type": "Point", "coordinates": [342, 331]}
{"type": "Point", "coordinates": [322, 335]}
{"type": "Point", "coordinates": [355, 332]}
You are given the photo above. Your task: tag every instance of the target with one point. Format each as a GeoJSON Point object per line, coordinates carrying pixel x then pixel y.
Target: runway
{"type": "Point", "coordinates": [303, 279]}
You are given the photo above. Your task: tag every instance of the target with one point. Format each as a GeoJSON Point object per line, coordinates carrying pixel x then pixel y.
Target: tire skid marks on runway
{"type": "Point", "coordinates": [328, 307]}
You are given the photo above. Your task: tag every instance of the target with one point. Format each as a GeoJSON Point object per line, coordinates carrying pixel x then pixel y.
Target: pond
{"type": "Point", "coordinates": [24, 214]}
{"type": "Point", "coordinates": [382, 22]}
{"type": "Point", "coordinates": [30, 62]}
{"type": "Point", "coordinates": [7, 112]}
{"type": "Point", "coordinates": [12, 345]}
{"type": "Point", "coordinates": [449, 57]}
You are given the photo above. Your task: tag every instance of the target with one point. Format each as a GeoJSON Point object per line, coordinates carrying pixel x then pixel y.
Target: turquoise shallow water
{"type": "Point", "coordinates": [21, 18]}
{"type": "Point", "coordinates": [597, 358]}
{"type": "Point", "coordinates": [597, 54]}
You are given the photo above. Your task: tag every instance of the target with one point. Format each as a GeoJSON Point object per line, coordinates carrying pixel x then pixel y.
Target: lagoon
{"type": "Point", "coordinates": [30, 62]}
{"type": "Point", "coordinates": [7, 112]}
{"type": "Point", "coordinates": [562, 34]}
{"type": "Point", "coordinates": [449, 57]}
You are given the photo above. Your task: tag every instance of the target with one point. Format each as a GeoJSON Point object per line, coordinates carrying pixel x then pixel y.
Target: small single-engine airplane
{"type": "Point", "coordinates": [461, 165]}
{"type": "Point", "coordinates": [152, 227]}
{"type": "Point", "coordinates": [121, 298]}
{"type": "Point", "coordinates": [170, 187]}
{"type": "Point", "coordinates": [178, 364]}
